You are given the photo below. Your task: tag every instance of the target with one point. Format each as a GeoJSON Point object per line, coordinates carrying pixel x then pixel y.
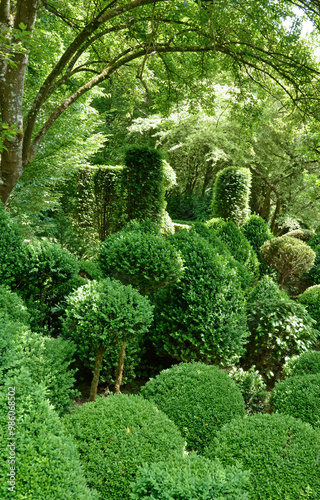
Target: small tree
{"type": "Point", "coordinates": [231, 193]}
{"type": "Point", "coordinates": [102, 314]}
{"type": "Point", "coordinates": [290, 257]}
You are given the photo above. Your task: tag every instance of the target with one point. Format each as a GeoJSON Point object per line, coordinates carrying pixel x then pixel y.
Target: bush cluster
{"type": "Point", "coordinates": [201, 317]}
{"type": "Point", "coordinates": [190, 477]}
{"type": "Point", "coordinates": [281, 452]}
{"type": "Point", "coordinates": [299, 396]}
{"type": "Point", "coordinates": [115, 436]}
{"type": "Point", "coordinates": [199, 398]}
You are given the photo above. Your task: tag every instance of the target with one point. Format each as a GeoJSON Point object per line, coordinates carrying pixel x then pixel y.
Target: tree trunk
{"type": "Point", "coordinates": [119, 370]}
{"type": "Point", "coordinates": [96, 374]}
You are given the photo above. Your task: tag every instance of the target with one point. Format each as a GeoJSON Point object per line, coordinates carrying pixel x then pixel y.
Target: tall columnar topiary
{"type": "Point", "coordinates": [201, 317]}
{"type": "Point", "coordinates": [141, 258]}
{"type": "Point", "coordinates": [190, 477]}
{"type": "Point", "coordinates": [239, 247]}
{"type": "Point", "coordinates": [256, 231]}
{"type": "Point", "coordinates": [103, 314]}
{"type": "Point", "coordinates": [231, 193]}
{"type": "Point", "coordinates": [298, 396]}
{"type": "Point", "coordinates": [116, 436]}
{"type": "Point", "coordinates": [144, 182]}
{"type": "Point", "coordinates": [279, 328]}
{"type": "Point", "coordinates": [290, 257]}
{"type": "Point", "coordinates": [11, 251]}
{"type": "Point", "coordinates": [281, 452]}
{"type": "Point", "coordinates": [199, 398]}
{"type": "Point", "coordinates": [37, 455]}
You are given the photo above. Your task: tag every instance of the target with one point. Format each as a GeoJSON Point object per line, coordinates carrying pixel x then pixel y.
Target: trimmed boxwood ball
{"type": "Point", "coordinates": [281, 452]}
{"type": "Point", "coordinates": [299, 396]}
{"type": "Point", "coordinates": [199, 398]}
{"type": "Point", "coordinates": [190, 477]}
{"type": "Point", "coordinates": [231, 193]}
{"type": "Point", "coordinates": [310, 298]}
{"type": "Point", "coordinates": [201, 317]}
{"type": "Point", "coordinates": [305, 364]}
{"type": "Point", "coordinates": [47, 464]}
{"type": "Point", "coordinates": [116, 436]}
{"type": "Point", "coordinates": [145, 260]}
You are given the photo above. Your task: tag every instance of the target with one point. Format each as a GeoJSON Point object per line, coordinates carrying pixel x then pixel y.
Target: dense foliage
{"type": "Point", "coordinates": [199, 398]}
{"type": "Point", "coordinates": [190, 477]}
{"type": "Point", "coordinates": [280, 451]}
{"type": "Point", "coordinates": [117, 435]}
{"type": "Point", "coordinates": [11, 251]}
{"type": "Point", "coordinates": [202, 317]}
{"type": "Point", "coordinates": [310, 298]}
{"type": "Point", "coordinates": [252, 388]}
{"type": "Point", "coordinates": [298, 396]}
{"type": "Point", "coordinates": [305, 364]}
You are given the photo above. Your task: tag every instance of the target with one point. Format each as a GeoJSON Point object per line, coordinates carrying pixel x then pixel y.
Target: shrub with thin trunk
{"type": "Point", "coordinates": [290, 257]}
{"type": "Point", "coordinates": [104, 314]}
{"type": "Point", "coordinates": [231, 193]}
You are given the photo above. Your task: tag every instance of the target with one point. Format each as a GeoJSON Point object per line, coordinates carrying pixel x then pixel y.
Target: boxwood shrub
{"type": "Point", "coordinates": [117, 435]}
{"type": "Point", "coordinates": [190, 477]}
{"type": "Point", "coordinates": [310, 298]}
{"type": "Point", "coordinates": [252, 388]}
{"type": "Point", "coordinates": [45, 458]}
{"type": "Point", "coordinates": [13, 307]}
{"type": "Point", "coordinates": [201, 317]}
{"type": "Point", "coordinates": [11, 249]}
{"type": "Point", "coordinates": [299, 396]}
{"type": "Point", "coordinates": [281, 452]}
{"type": "Point", "coordinates": [199, 398]}
{"type": "Point", "coordinates": [305, 364]}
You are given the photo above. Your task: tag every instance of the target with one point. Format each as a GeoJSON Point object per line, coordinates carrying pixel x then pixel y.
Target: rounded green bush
{"type": "Point", "coordinates": [257, 231]}
{"type": "Point", "coordinates": [144, 260]}
{"type": "Point", "coordinates": [13, 307]}
{"type": "Point", "coordinates": [301, 234]}
{"type": "Point", "coordinates": [239, 247]}
{"type": "Point", "coordinates": [310, 298]}
{"type": "Point", "coordinates": [298, 396]}
{"type": "Point", "coordinates": [190, 477]}
{"type": "Point", "coordinates": [199, 398]}
{"type": "Point", "coordinates": [201, 317]}
{"type": "Point", "coordinates": [290, 257]}
{"type": "Point", "coordinates": [279, 328]}
{"type": "Point", "coordinates": [45, 460]}
{"type": "Point", "coordinates": [281, 452]}
{"type": "Point", "coordinates": [11, 249]}
{"type": "Point", "coordinates": [117, 435]}
{"type": "Point", "coordinates": [305, 364]}
{"type": "Point", "coordinates": [231, 193]}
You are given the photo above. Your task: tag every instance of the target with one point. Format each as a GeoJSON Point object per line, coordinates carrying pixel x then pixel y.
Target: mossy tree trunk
{"type": "Point", "coordinates": [120, 366]}
{"type": "Point", "coordinates": [96, 374]}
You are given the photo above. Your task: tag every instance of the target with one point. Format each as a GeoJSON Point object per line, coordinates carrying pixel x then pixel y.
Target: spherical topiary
{"type": "Point", "coordinates": [310, 298]}
{"type": "Point", "coordinates": [190, 477]}
{"type": "Point", "coordinates": [199, 398]}
{"type": "Point", "coordinates": [279, 328]}
{"type": "Point", "coordinates": [289, 256]}
{"type": "Point", "coordinates": [239, 247]}
{"type": "Point", "coordinates": [144, 260]}
{"type": "Point", "coordinates": [102, 314]}
{"type": "Point", "coordinates": [231, 193]}
{"type": "Point", "coordinates": [305, 364]}
{"type": "Point", "coordinates": [281, 452]}
{"type": "Point", "coordinates": [117, 435]}
{"type": "Point", "coordinates": [201, 317]}
{"type": "Point", "coordinates": [298, 396]}
{"type": "Point", "coordinates": [42, 463]}
{"type": "Point", "coordinates": [144, 181]}
{"type": "Point", "coordinates": [257, 231]}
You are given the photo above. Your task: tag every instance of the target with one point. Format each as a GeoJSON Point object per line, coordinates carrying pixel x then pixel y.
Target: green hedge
{"type": "Point", "coordinates": [201, 317]}
{"type": "Point", "coordinates": [199, 398]}
{"type": "Point", "coordinates": [117, 435]}
{"type": "Point", "coordinates": [299, 396]}
{"type": "Point", "coordinates": [281, 452]}
{"type": "Point", "coordinates": [46, 463]}
{"type": "Point", "coordinates": [310, 298]}
{"type": "Point", "coordinates": [305, 364]}
{"type": "Point", "coordinates": [231, 193]}
{"type": "Point", "coordinates": [190, 477]}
